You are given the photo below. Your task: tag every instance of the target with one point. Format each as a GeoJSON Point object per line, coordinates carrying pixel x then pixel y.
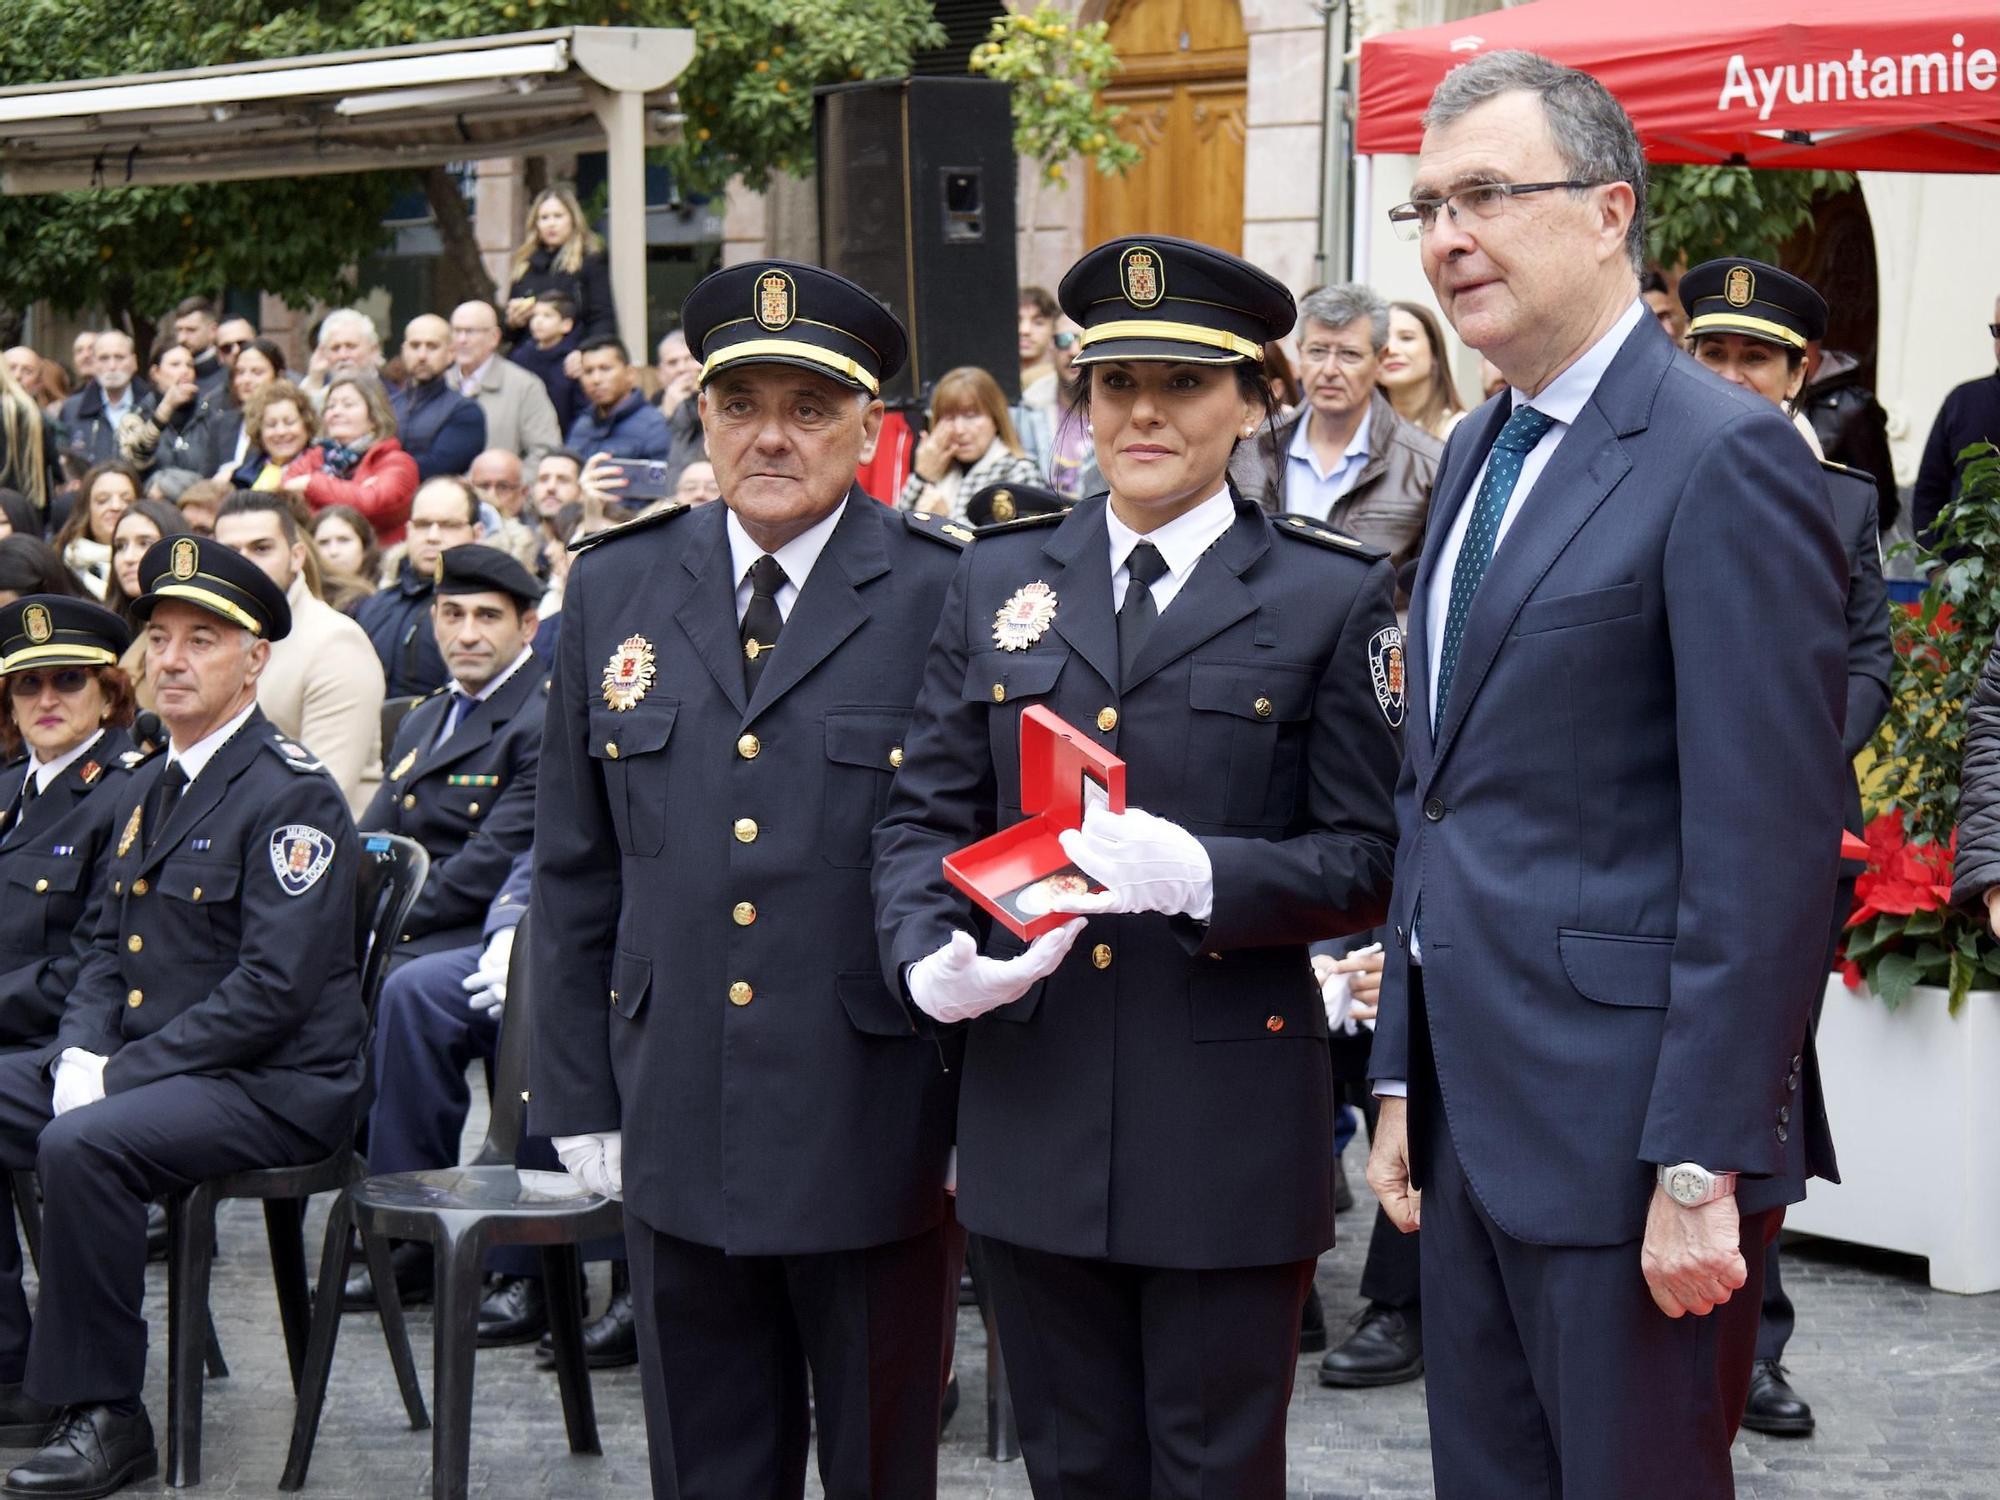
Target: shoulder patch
{"type": "Point", "coordinates": [1308, 530]}
{"type": "Point", "coordinates": [954, 534]}
{"type": "Point", "coordinates": [1022, 523]}
{"type": "Point", "coordinates": [626, 528]}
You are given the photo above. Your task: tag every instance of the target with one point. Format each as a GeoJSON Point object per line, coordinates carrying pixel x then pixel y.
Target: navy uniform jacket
{"type": "Point", "coordinates": [1163, 1099]}
{"type": "Point", "coordinates": [52, 874]}
{"type": "Point", "coordinates": [470, 802]}
{"type": "Point", "coordinates": [1870, 657]}
{"type": "Point", "coordinates": [704, 938]}
{"type": "Point", "coordinates": [1625, 832]}
{"type": "Point", "coordinates": [228, 950]}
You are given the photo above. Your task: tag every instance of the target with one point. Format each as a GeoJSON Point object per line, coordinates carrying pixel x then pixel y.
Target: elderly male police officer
{"type": "Point", "coordinates": [215, 1026]}
{"type": "Point", "coordinates": [713, 1037]}
{"type": "Point", "coordinates": [1627, 685]}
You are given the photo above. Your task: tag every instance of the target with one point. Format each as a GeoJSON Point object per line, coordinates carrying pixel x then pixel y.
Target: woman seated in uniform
{"type": "Point", "coordinates": [68, 703]}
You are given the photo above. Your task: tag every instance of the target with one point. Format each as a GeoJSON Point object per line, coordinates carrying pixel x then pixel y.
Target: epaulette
{"type": "Point", "coordinates": [626, 528]}
{"type": "Point", "coordinates": [1833, 468]}
{"type": "Point", "coordinates": [1307, 529]}
{"type": "Point", "coordinates": [131, 760]}
{"type": "Point", "coordinates": [1023, 523]}
{"type": "Point", "coordinates": [294, 755]}
{"type": "Point", "coordinates": [955, 534]}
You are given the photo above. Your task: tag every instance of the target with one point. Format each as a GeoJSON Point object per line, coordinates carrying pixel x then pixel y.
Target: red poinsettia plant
{"type": "Point", "coordinates": [1904, 931]}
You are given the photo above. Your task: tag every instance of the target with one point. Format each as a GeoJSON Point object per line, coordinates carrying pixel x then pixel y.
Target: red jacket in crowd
{"type": "Point", "coordinates": [381, 486]}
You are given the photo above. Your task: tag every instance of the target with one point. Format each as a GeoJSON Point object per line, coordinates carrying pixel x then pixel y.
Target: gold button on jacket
{"type": "Point", "coordinates": [746, 830]}
{"type": "Point", "coordinates": [744, 913]}
{"type": "Point", "coordinates": [748, 746]}
{"type": "Point", "coordinates": [740, 993]}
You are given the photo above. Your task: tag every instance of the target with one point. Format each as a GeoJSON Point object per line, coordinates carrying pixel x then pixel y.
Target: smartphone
{"type": "Point", "coordinates": [645, 480]}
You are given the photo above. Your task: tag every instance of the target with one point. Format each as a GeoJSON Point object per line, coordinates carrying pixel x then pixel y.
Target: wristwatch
{"type": "Point", "coordinates": [1690, 1184]}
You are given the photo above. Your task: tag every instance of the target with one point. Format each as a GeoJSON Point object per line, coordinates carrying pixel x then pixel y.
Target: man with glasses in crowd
{"type": "Point", "coordinates": [1346, 459]}
{"type": "Point", "coordinates": [444, 513]}
{"type": "Point", "coordinates": [520, 418]}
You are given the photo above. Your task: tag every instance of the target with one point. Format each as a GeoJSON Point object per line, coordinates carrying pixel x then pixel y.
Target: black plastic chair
{"type": "Point", "coordinates": [394, 711]}
{"type": "Point", "coordinates": [462, 1212]}
{"type": "Point", "coordinates": [392, 873]}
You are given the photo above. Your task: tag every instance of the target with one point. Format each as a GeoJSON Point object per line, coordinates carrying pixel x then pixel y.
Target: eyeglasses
{"type": "Point", "coordinates": [1068, 340]}
{"type": "Point", "coordinates": [230, 346]}
{"type": "Point", "coordinates": [1483, 200]}
{"type": "Point", "coordinates": [69, 682]}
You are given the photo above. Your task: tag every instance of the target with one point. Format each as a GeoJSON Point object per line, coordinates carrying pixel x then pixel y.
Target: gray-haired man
{"type": "Point", "coordinates": [1346, 458]}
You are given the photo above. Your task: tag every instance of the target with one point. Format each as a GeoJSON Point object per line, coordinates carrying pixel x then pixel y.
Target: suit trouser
{"type": "Point", "coordinates": [100, 1165]}
{"type": "Point", "coordinates": [1551, 1372]}
{"type": "Point", "coordinates": [728, 1342]}
{"type": "Point", "coordinates": [1136, 1381]}
{"type": "Point", "coordinates": [1774, 1331]}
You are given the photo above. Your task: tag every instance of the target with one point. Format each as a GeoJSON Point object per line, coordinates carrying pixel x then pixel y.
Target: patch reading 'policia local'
{"type": "Point", "coordinates": [777, 299]}
{"type": "Point", "coordinates": [1385, 669]}
{"type": "Point", "coordinates": [1141, 276]}
{"type": "Point", "coordinates": [300, 854]}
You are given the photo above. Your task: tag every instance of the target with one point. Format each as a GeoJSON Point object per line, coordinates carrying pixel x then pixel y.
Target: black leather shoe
{"type": "Point", "coordinates": [1386, 1348]}
{"type": "Point", "coordinates": [1312, 1323]}
{"type": "Point", "coordinates": [1774, 1408]}
{"type": "Point", "coordinates": [412, 1264]}
{"type": "Point", "coordinates": [1343, 1191]}
{"type": "Point", "coordinates": [948, 1405]}
{"type": "Point", "coordinates": [24, 1421]}
{"type": "Point", "coordinates": [611, 1341]}
{"type": "Point", "coordinates": [514, 1311]}
{"type": "Point", "coordinates": [90, 1451]}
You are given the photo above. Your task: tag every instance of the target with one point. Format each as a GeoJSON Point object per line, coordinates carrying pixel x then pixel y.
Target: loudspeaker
{"type": "Point", "coordinates": [916, 203]}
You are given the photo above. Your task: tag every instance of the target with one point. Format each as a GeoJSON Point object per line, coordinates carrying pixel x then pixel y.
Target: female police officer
{"type": "Point", "coordinates": [68, 704]}
{"type": "Point", "coordinates": [1750, 323]}
{"type": "Point", "coordinates": [1144, 1122]}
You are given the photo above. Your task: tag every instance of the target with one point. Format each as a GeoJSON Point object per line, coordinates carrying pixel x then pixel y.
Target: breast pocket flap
{"type": "Point", "coordinates": [638, 731]}
{"type": "Point", "coordinates": [199, 881]}
{"type": "Point", "coordinates": [866, 738]}
{"type": "Point", "coordinates": [46, 875]}
{"type": "Point", "coordinates": [1566, 611]}
{"type": "Point", "coordinates": [1268, 692]}
{"type": "Point", "coordinates": [997, 676]}
{"type": "Point", "coordinates": [631, 982]}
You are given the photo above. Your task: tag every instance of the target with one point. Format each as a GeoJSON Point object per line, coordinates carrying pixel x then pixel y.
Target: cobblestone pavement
{"type": "Point", "coordinates": [1906, 1383]}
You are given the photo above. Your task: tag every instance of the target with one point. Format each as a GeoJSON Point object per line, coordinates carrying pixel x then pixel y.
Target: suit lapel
{"type": "Point", "coordinates": [707, 613]}
{"type": "Point", "coordinates": [829, 607]}
{"type": "Point", "coordinates": [1213, 598]}
{"type": "Point", "coordinates": [1086, 614]}
{"type": "Point", "coordinates": [477, 728]}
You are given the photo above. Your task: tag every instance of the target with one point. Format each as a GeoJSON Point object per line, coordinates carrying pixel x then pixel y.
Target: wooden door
{"type": "Point", "coordinates": [1184, 90]}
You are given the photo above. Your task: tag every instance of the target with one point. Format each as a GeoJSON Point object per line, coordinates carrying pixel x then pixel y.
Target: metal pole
{"type": "Point", "coordinates": [622, 113]}
{"type": "Point", "coordinates": [1331, 262]}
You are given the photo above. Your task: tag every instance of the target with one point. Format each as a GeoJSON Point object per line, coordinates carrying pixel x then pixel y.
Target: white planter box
{"type": "Point", "coordinates": [1914, 1099]}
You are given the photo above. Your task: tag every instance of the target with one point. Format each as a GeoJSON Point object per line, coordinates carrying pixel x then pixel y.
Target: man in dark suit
{"type": "Point", "coordinates": [713, 1037]}
{"type": "Point", "coordinates": [1620, 817]}
{"type": "Point", "coordinates": [215, 1026]}
{"type": "Point", "coordinates": [461, 778]}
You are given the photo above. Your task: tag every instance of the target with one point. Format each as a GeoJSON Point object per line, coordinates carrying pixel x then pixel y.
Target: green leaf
{"type": "Point", "coordinates": [1895, 975]}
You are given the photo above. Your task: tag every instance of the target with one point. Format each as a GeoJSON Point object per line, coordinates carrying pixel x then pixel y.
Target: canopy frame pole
{"type": "Point", "coordinates": [622, 113]}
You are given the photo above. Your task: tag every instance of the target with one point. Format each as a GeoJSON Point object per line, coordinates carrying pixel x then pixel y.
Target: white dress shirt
{"type": "Point", "coordinates": [46, 771]}
{"type": "Point", "coordinates": [454, 715]}
{"type": "Point", "coordinates": [196, 757]}
{"type": "Point", "coordinates": [1181, 543]}
{"type": "Point", "coordinates": [1563, 400]}
{"type": "Point", "coordinates": [796, 557]}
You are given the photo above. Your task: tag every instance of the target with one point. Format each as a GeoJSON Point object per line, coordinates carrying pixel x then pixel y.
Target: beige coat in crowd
{"type": "Point", "coordinates": [324, 688]}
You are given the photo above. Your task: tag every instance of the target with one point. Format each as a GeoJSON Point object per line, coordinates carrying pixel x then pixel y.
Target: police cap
{"type": "Point", "coordinates": [199, 570]}
{"type": "Point", "coordinates": [1756, 300]}
{"type": "Point", "coordinates": [472, 569]}
{"type": "Point", "coordinates": [1000, 503]}
{"type": "Point", "coordinates": [1159, 298]}
{"type": "Point", "coordinates": [784, 312]}
{"type": "Point", "coordinates": [49, 630]}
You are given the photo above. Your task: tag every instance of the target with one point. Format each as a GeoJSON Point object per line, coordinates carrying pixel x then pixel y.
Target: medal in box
{"type": "Point", "coordinates": [1019, 873]}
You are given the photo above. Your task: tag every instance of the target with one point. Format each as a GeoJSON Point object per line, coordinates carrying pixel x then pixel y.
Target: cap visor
{"type": "Point", "coordinates": [1165, 351]}
{"type": "Point", "coordinates": [53, 655]}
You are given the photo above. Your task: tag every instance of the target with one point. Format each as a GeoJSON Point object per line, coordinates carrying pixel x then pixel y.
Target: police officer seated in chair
{"type": "Point", "coordinates": [214, 1027]}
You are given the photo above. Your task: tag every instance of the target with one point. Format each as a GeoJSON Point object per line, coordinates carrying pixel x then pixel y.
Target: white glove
{"type": "Point", "coordinates": [1336, 987]}
{"type": "Point", "coordinates": [958, 982]}
{"type": "Point", "coordinates": [597, 1161]}
{"type": "Point", "coordinates": [487, 984]}
{"type": "Point", "coordinates": [1144, 863]}
{"type": "Point", "coordinates": [79, 1079]}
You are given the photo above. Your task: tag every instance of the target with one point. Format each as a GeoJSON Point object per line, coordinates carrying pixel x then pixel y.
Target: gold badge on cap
{"type": "Point", "coordinates": [35, 620]}
{"type": "Point", "coordinates": [1019, 623]}
{"type": "Point", "coordinates": [1141, 276]}
{"type": "Point", "coordinates": [131, 830]}
{"type": "Point", "coordinates": [777, 299]}
{"type": "Point", "coordinates": [1739, 286]}
{"type": "Point", "coordinates": [186, 559]}
{"type": "Point", "coordinates": [629, 673]}
{"type": "Point", "coordinates": [1003, 506]}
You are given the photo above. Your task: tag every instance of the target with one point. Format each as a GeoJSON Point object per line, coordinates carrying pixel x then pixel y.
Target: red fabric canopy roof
{"type": "Point", "coordinates": [1860, 86]}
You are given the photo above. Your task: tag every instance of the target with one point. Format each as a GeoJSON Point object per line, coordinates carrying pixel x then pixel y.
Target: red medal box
{"type": "Point", "coordinates": [1017, 872]}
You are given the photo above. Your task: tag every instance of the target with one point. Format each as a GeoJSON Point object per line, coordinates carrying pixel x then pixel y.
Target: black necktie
{"type": "Point", "coordinates": [1138, 614]}
{"type": "Point", "coordinates": [30, 789]}
{"type": "Point", "coordinates": [761, 621]}
{"type": "Point", "coordinates": [162, 800]}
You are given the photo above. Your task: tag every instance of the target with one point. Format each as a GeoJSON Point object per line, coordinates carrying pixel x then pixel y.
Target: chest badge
{"type": "Point", "coordinates": [403, 766]}
{"type": "Point", "coordinates": [629, 673]}
{"type": "Point", "coordinates": [1020, 622]}
{"type": "Point", "coordinates": [131, 831]}
{"type": "Point", "coordinates": [300, 854]}
{"type": "Point", "coordinates": [1385, 671]}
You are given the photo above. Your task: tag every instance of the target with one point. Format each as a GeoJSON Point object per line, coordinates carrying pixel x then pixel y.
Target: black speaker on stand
{"type": "Point", "coordinates": [916, 203]}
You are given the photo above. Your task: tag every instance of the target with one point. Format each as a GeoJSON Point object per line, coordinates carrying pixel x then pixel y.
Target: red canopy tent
{"type": "Point", "coordinates": [1859, 86]}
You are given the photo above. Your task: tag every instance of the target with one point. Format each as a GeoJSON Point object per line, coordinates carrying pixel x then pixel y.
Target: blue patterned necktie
{"type": "Point", "coordinates": [1517, 440]}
